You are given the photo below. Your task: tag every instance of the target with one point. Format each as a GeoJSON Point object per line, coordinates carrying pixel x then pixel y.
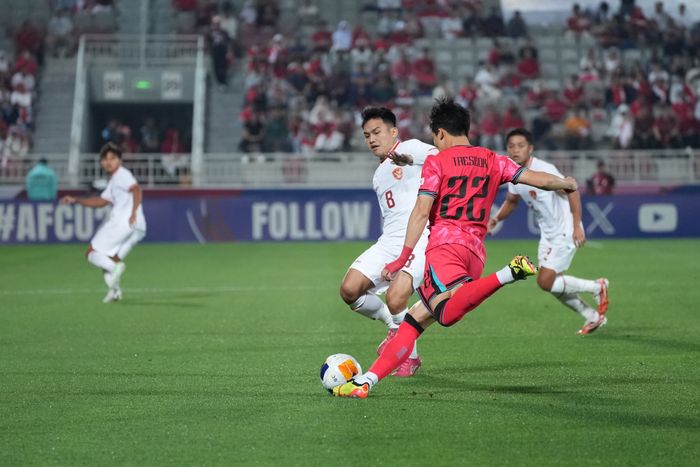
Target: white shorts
{"type": "Point", "coordinates": [556, 256]}
{"type": "Point", "coordinates": [113, 234]}
{"type": "Point", "coordinates": [372, 262]}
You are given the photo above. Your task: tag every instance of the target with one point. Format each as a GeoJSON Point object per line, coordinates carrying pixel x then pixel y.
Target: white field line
{"type": "Point", "coordinates": [161, 290]}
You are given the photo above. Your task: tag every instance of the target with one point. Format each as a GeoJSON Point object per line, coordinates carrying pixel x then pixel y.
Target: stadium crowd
{"type": "Point", "coordinates": [20, 71]}
{"type": "Point", "coordinates": [303, 91]}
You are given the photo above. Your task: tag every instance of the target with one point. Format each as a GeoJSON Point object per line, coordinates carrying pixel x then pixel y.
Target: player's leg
{"type": "Point", "coordinates": [103, 246]}
{"type": "Point", "coordinates": [471, 293]}
{"type": "Point", "coordinates": [554, 260]}
{"type": "Point", "coordinates": [355, 290]}
{"type": "Point", "coordinates": [397, 296]}
{"type": "Point", "coordinates": [395, 353]}
{"type": "Point", "coordinates": [129, 244]}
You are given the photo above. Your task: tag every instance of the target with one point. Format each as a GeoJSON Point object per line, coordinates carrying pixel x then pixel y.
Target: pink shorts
{"type": "Point", "coordinates": [447, 266]}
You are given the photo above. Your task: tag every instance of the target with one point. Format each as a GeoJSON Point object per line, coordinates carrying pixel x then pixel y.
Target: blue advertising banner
{"type": "Point", "coordinates": [324, 215]}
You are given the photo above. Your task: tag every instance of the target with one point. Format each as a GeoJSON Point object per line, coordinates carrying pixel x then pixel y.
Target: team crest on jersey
{"type": "Point", "coordinates": [533, 194]}
{"type": "Point", "coordinates": [397, 173]}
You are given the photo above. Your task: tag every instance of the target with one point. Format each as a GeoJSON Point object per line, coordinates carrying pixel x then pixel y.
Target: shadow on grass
{"type": "Point", "coordinates": [631, 337]}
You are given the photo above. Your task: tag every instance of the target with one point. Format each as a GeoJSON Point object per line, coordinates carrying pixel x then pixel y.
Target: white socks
{"type": "Point", "coordinates": [373, 307]}
{"type": "Point", "coordinates": [101, 260]}
{"type": "Point", "coordinates": [505, 276]}
{"type": "Point", "coordinates": [574, 285]}
{"type": "Point", "coordinates": [574, 302]}
{"type": "Point", "coordinates": [398, 318]}
{"type": "Point", "coordinates": [368, 377]}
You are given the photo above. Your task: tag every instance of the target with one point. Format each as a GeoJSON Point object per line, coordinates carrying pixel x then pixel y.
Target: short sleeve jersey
{"type": "Point", "coordinates": [396, 187]}
{"type": "Point", "coordinates": [464, 181]}
{"type": "Point", "coordinates": [117, 193]}
{"type": "Point", "coordinates": [551, 208]}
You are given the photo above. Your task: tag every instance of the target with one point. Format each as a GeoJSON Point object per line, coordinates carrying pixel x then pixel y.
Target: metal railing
{"type": "Point", "coordinates": [344, 170]}
{"type": "Point", "coordinates": [143, 51]}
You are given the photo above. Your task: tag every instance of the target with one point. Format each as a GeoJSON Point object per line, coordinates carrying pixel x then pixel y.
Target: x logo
{"type": "Point", "coordinates": [600, 218]}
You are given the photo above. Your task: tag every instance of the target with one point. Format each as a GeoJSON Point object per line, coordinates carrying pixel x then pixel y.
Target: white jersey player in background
{"type": "Point", "coordinates": [561, 232]}
{"type": "Point", "coordinates": [396, 183]}
{"type": "Point", "coordinates": [125, 226]}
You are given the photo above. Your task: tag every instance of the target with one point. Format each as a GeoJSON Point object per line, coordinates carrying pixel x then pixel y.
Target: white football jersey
{"type": "Point", "coordinates": [397, 187]}
{"type": "Point", "coordinates": [551, 208]}
{"type": "Point", "coordinates": [117, 193]}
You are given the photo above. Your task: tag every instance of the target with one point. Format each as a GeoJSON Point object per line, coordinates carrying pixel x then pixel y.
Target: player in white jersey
{"type": "Point", "coordinates": [396, 183]}
{"type": "Point", "coordinates": [561, 232]}
{"type": "Point", "coordinates": [125, 226]}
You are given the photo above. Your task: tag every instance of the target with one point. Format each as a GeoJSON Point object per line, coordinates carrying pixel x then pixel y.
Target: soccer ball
{"type": "Point", "coordinates": [339, 369]}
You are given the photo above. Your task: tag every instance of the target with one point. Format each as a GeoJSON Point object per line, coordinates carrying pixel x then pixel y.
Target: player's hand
{"type": "Point", "coordinates": [68, 200]}
{"type": "Point", "coordinates": [573, 186]}
{"type": "Point", "coordinates": [493, 222]}
{"type": "Point", "coordinates": [401, 159]}
{"type": "Point", "coordinates": [132, 220]}
{"type": "Point", "coordinates": [579, 236]}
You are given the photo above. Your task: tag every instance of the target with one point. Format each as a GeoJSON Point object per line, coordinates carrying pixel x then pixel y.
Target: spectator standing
{"type": "Point", "coordinates": [61, 34]}
{"type": "Point", "coordinates": [601, 183]}
{"type": "Point", "coordinates": [41, 182]}
{"type": "Point", "coordinates": [219, 45]}
{"type": "Point", "coordinates": [516, 26]}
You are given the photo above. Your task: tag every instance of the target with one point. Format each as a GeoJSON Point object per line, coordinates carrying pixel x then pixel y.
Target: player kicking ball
{"type": "Point", "coordinates": [558, 216]}
{"type": "Point", "coordinates": [125, 226]}
{"type": "Point", "coordinates": [458, 188]}
{"type": "Point", "coordinates": [395, 182]}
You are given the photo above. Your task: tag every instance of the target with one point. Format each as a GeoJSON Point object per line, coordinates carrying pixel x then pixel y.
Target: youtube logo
{"type": "Point", "coordinates": [658, 218]}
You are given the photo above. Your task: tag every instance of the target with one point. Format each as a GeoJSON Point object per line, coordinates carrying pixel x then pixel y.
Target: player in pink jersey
{"type": "Point", "coordinates": [458, 188]}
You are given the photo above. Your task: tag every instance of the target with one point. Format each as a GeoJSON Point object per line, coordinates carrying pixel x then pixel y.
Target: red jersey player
{"type": "Point", "coordinates": [458, 188]}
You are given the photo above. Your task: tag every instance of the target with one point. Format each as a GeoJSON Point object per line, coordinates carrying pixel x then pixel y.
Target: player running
{"type": "Point", "coordinates": [561, 232]}
{"type": "Point", "coordinates": [457, 190]}
{"type": "Point", "coordinates": [395, 182]}
{"type": "Point", "coordinates": [125, 226]}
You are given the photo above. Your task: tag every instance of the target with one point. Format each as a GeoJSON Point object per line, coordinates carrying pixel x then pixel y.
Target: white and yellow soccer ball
{"type": "Point", "coordinates": [339, 369]}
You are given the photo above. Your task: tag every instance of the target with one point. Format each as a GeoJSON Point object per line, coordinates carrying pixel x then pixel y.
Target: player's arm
{"type": "Point", "coordinates": [90, 202]}
{"type": "Point", "coordinates": [547, 181]}
{"type": "Point", "coordinates": [506, 209]}
{"type": "Point", "coordinates": [414, 230]}
{"type": "Point", "coordinates": [135, 190]}
{"type": "Point", "coordinates": [575, 205]}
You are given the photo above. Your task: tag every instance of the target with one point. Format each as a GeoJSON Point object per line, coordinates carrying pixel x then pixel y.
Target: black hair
{"type": "Point", "coordinates": [520, 132]}
{"type": "Point", "coordinates": [44, 161]}
{"type": "Point", "coordinates": [110, 147]}
{"type": "Point", "coordinates": [385, 114]}
{"type": "Point", "coordinates": [450, 116]}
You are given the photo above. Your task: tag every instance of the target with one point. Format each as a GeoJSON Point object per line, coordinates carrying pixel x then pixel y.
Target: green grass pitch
{"type": "Point", "coordinates": [212, 358]}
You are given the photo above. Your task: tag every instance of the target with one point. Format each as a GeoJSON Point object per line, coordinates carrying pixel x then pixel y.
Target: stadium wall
{"type": "Point", "coordinates": [321, 215]}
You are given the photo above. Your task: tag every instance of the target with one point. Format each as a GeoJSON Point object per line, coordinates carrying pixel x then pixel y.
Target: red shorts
{"type": "Point", "coordinates": [447, 266]}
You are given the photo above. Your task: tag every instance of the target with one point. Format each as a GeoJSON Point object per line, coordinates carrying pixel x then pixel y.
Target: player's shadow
{"type": "Point", "coordinates": [648, 340]}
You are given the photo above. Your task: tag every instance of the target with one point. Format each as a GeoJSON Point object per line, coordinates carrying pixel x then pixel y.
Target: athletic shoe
{"type": "Point", "coordinates": [592, 326]}
{"type": "Point", "coordinates": [407, 368]}
{"type": "Point", "coordinates": [601, 298]}
{"type": "Point", "coordinates": [521, 267]}
{"type": "Point", "coordinates": [351, 389]}
{"type": "Point", "coordinates": [389, 336]}
{"type": "Point", "coordinates": [114, 295]}
{"type": "Point", "coordinates": [115, 275]}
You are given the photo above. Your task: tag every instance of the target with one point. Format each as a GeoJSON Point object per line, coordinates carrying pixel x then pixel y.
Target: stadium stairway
{"type": "Point", "coordinates": [223, 126]}
{"type": "Point", "coordinates": [129, 17]}
{"type": "Point", "coordinates": [54, 108]}
{"type": "Point", "coordinates": [162, 17]}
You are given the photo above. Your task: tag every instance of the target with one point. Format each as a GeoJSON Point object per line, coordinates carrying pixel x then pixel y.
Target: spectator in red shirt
{"type": "Point", "coordinates": [555, 107]}
{"type": "Point", "coordinates": [666, 128]}
{"type": "Point", "coordinates": [601, 183]}
{"type": "Point", "coordinates": [577, 24]}
{"type": "Point", "coordinates": [573, 92]}
{"type": "Point", "coordinates": [26, 63]}
{"type": "Point", "coordinates": [512, 119]}
{"type": "Point", "coordinates": [322, 39]}
{"type": "Point", "coordinates": [491, 130]}
{"type": "Point", "coordinates": [29, 37]}
{"type": "Point", "coordinates": [424, 72]}
{"type": "Point", "coordinates": [536, 96]}
{"type": "Point", "coordinates": [528, 66]}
